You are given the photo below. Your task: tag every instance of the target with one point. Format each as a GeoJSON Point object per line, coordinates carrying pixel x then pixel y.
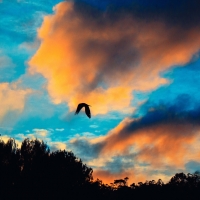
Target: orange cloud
{"type": "Point", "coordinates": [109, 177]}
{"type": "Point", "coordinates": [102, 60]}
{"type": "Point", "coordinates": [158, 145]}
{"type": "Point", "coordinates": [146, 153]}
{"type": "Point", "coordinates": [133, 174]}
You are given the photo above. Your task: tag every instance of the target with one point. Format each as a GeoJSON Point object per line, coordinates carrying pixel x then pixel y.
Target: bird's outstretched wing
{"type": "Point", "coordinates": [87, 111]}
{"type": "Point", "coordinates": [79, 107]}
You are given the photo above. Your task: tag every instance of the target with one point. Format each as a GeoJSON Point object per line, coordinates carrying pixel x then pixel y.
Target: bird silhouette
{"type": "Point", "coordinates": [87, 109]}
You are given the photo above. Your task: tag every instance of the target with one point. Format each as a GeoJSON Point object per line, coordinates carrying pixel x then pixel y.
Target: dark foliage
{"type": "Point", "coordinates": [33, 172]}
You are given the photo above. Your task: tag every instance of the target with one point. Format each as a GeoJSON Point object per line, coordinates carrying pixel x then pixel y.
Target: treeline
{"type": "Point", "coordinates": [33, 172]}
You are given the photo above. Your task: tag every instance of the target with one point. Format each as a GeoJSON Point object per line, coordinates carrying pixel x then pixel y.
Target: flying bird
{"type": "Point", "coordinates": [87, 109]}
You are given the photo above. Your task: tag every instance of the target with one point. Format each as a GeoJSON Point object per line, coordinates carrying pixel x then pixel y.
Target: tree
{"type": "Point", "coordinates": [33, 172]}
{"type": "Point", "coordinates": [33, 168]}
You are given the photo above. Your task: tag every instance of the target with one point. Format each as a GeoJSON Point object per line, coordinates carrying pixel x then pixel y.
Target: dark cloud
{"type": "Point", "coordinates": [176, 113]}
{"type": "Point", "coordinates": [192, 166]}
{"type": "Point", "coordinates": [122, 55]}
{"type": "Point", "coordinates": [86, 150]}
{"type": "Point", "coordinates": [119, 164]}
{"type": "Point", "coordinates": [184, 13]}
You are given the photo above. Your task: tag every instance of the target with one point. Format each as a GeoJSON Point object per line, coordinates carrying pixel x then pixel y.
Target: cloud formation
{"type": "Point", "coordinates": [101, 56]}
{"type": "Point", "coordinates": [12, 98]}
{"type": "Point", "coordinates": [7, 67]}
{"type": "Point", "coordinates": [166, 138]}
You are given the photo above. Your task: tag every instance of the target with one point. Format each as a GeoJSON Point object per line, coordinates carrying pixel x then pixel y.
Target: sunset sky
{"type": "Point", "coordinates": [136, 62]}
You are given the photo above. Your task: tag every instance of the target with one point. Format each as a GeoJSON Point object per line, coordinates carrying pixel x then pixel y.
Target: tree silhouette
{"type": "Point", "coordinates": [33, 172]}
{"type": "Point", "coordinates": [34, 168]}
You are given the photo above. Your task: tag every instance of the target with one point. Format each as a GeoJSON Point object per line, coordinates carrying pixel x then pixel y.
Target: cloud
{"type": "Point", "coordinates": [42, 135]}
{"type": "Point", "coordinates": [58, 146]}
{"type": "Point", "coordinates": [12, 98]}
{"type": "Point", "coordinates": [5, 61]}
{"type": "Point", "coordinates": [36, 133]}
{"type": "Point", "coordinates": [87, 54]}
{"type": "Point", "coordinates": [183, 14]}
{"type": "Point", "coordinates": [85, 149]}
{"type": "Point", "coordinates": [162, 142]}
{"type": "Point", "coordinates": [41, 132]}
{"type": "Point", "coordinates": [135, 175]}
{"type": "Point", "coordinates": [5, 138]}
{"type": "Point", "coordinates": [148, 135]}
{"type": "Point", "coordinates": [109, 177]}
{"type": "Point", "coordinates": [94, 126]}
{"type": "Point", "coordinates": [7, 67]}
{"type": "Point", "coordinates": [192, 166]}
{"type": "Point", "coordinates": [30, 46]}
{"type": "Point", "coordinates": [60, 129]}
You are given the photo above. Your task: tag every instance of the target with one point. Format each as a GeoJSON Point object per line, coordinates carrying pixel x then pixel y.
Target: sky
{"type": "Point", "coordinates": [135, 62]}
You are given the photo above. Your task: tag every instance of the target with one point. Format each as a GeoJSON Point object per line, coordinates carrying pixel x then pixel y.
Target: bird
{"type": "Point", "coordinates": [87, 109]}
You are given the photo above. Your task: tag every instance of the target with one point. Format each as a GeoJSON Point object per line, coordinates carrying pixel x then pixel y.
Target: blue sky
{"type": "Point", "coordinates": [136, 62]}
